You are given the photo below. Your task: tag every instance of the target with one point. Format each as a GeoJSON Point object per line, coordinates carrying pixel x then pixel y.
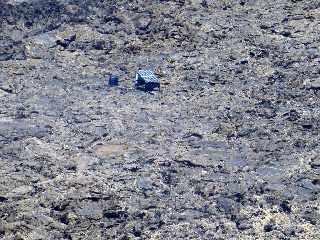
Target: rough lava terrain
{"type": "Point", "coordinates": [228, 149]}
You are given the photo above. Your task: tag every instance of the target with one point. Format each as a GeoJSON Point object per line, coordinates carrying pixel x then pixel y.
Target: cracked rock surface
{"type": "Point", "coordinates": [228, 149]}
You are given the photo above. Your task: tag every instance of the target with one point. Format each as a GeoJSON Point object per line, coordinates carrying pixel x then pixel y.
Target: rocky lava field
{"type": "Point", "coordinates": [228, 149]}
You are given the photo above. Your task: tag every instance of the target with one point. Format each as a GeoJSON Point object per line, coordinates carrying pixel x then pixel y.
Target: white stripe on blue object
{"type": "Point", "coordinates": [147, 76]}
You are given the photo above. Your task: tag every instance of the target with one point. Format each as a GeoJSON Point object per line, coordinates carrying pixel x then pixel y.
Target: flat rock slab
{"type": "Point", "coordinates": [18, 129]}
{"type": "Point", "coordinates": [228, 149]}
{"type": "Point", "coordinates": [110, 149]}
{"type": "Point", "coordinates": [20, 191]}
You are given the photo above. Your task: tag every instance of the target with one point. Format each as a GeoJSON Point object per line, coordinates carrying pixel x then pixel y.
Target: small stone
{"type": "Point", "coordinates": [225, 204]}
{"type": "Point", "coordinates": [70, 218]}
{"type": "Point", "coordinates": [3, 199]}
{"type": "Point", "coordinates": [285, 206]}
{"type": "Point", "coordinates": [315, 163]}
{"type": "Point", "coordinates": [66, 42]}
{"type": "Point", "coordinates": [144, 184]}
{"type": "Point", "coordinates": [312, 53]}
{"type": "Point", "coordinates": [268, 227]}
{"type": "Point", "coordinates": [314, 85]}
{"type": "Point", "coordinates": [142, 23]}
{"type": "Point", "coordinates": [308, 184]}
{"type": "Point", "coordinates": [244, 224]}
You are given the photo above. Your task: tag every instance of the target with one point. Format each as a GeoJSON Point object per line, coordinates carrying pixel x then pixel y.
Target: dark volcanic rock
{"type": "Point", "coordinates": [227, 149]}
{"type": "Point", "coordinates": [11, 50]}
{"type": "Point", "coordinates": [13, 130]}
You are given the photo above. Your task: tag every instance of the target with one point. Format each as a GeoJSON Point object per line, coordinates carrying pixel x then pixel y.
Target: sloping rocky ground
{"type": "Point", "coordinates": [228, 149]}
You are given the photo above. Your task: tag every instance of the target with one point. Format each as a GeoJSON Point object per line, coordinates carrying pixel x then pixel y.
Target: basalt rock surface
{"type": "Point", "coordinates": [228, 149]}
